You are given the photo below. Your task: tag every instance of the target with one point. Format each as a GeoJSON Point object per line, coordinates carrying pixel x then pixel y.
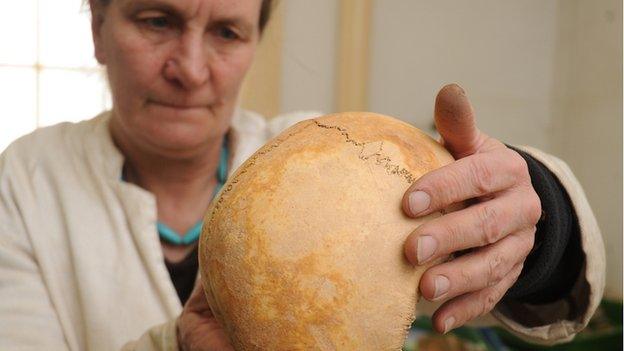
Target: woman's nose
{"type": "Point", "coordinates": [189, 62]}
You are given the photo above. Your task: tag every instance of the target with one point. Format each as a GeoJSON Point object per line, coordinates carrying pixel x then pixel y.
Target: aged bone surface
{"type": "Point", "coordinates": [303, 248]}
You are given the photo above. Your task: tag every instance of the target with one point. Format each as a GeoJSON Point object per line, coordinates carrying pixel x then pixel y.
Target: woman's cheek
{"type": "Point", "coordinates": [237, 69]}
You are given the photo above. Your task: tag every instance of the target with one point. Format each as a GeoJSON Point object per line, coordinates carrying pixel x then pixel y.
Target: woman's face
{"type": "Point", "coordinates": [175, 67]}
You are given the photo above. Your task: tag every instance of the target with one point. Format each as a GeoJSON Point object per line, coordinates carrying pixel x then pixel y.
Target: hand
{"type": "Point", "coordinates": [498, 229]}
{"type": "Point", "coordinates": [197, 327]}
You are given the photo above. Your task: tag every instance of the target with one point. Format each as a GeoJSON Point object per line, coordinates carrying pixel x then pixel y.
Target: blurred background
{"type": "Point", "coordinates": [546, 73]}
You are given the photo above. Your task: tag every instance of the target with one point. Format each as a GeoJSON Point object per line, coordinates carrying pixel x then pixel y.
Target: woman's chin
{"type": "Point", "coordinates": [180, 140]}
{"type": "Point", "coordinates": [173, 133]}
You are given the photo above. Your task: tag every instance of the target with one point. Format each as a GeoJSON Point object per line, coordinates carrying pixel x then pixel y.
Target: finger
{"type": "Point", "coordinates": [475, 226]}
{"type": "Point", "coordinates": [468, 178]}
{"type": "Point", "coordinates": [456, 123]}
{"type": "Point", "coordinates": [197, 300]}
{"type": "Point", "coordinates": [477, 270]}
{"type": "Point", "coordinates": [456, 312]}
{"type": "Point", "coordinates": [197, 327]}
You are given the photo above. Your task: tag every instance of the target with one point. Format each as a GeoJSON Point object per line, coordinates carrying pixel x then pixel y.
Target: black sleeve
{"type": "Point", "coordinates": [555, 262]}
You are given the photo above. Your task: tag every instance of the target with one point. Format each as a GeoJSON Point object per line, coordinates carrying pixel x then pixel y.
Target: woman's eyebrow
{"type": "Point", "coordinates": [162, 5]}
{"type": "Point", "coordinates": [237, 22]}
{"type": "Point", "coordinates": [170, 8]}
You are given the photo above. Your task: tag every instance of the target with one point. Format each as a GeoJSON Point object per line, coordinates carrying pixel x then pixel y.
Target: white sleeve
{"type": "Point", "coordinates": [28, 320]}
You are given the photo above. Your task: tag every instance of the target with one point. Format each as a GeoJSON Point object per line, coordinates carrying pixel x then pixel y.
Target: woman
{"type": "Point", "coordinates": [80, 204]}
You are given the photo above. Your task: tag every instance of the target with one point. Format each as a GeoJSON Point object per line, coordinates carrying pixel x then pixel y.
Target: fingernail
{"type": "Point", "coordinates": [441, 286]}
{"type": "Point", "coordinates": [418, 202]}
{"type": "Point", "coordinates": [426, 248]}
{"type": "Point", "coordinates": [448, 324]}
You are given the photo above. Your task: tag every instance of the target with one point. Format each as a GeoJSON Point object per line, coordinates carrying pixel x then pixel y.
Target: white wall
{"type": "Point", "coordinates": [589, 114]}
{"type": "Point", "coordinates": [501, 52]}
{"type": "Point", "coordinates": [308, 55]}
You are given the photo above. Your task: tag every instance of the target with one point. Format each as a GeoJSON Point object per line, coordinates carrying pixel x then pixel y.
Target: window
{"type": "Point", "coordinates": [48, 73]}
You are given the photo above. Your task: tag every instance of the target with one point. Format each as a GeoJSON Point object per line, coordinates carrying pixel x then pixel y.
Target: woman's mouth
{"type": "Point", "coordinates": [178, 106]}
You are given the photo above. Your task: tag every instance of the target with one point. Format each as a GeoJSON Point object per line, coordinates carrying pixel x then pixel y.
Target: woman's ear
{"type": "Point", "coordinates": [97, 20]}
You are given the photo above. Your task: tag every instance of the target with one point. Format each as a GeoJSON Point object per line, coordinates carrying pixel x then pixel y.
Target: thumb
{"type": "Point", "coordinates": [455, 121]}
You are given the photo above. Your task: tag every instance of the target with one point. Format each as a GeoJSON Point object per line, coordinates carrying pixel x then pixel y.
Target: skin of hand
{"type": "Point", "coordinates": [496, 232]}
{"type": "Point", "coordinates": [197, 328]}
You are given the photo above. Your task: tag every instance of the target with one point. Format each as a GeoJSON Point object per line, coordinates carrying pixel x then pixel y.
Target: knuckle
{"type": "Point", "coordinates": [488, 223]}
{"type": "Point", "coordinates": [441, 184]}
{"type": "Point", "coordinates": [490, 299]}
{"type": "Point", "coordinates": [523, 243]}
{"type": "Point", "coordinates": [533, 208]}
{"type": "Point", "coordinates": [536, 208]}
{"type": "Point", "coordinates": [452, 186]}
{"type": "Point", "coordinates": [515, 274]}
{"type": "Point", "coordinates": [496, 269]}
{"type": "Point", "coordinates": [466, 277]}
{"type": "Point", "coordinates": [518, 164]}
{"type": "Point", "coordinates": [482, 175]}
{"type": "Point", "coordinates": [525, 240]}
{"type": "Point", "coordinates": [451, 238]}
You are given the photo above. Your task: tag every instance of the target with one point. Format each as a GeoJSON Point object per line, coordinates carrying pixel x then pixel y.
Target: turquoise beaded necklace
{"type": "Point", "coordinates": [169, 235]}
{"type": "Point", "coordinates": [192, 235]}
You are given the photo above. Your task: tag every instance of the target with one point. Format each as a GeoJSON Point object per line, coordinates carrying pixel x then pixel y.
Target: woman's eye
{"type": "Point", "coordinates": [227, 33]}
{"type": "Point", "coordinates": [157, 22]}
